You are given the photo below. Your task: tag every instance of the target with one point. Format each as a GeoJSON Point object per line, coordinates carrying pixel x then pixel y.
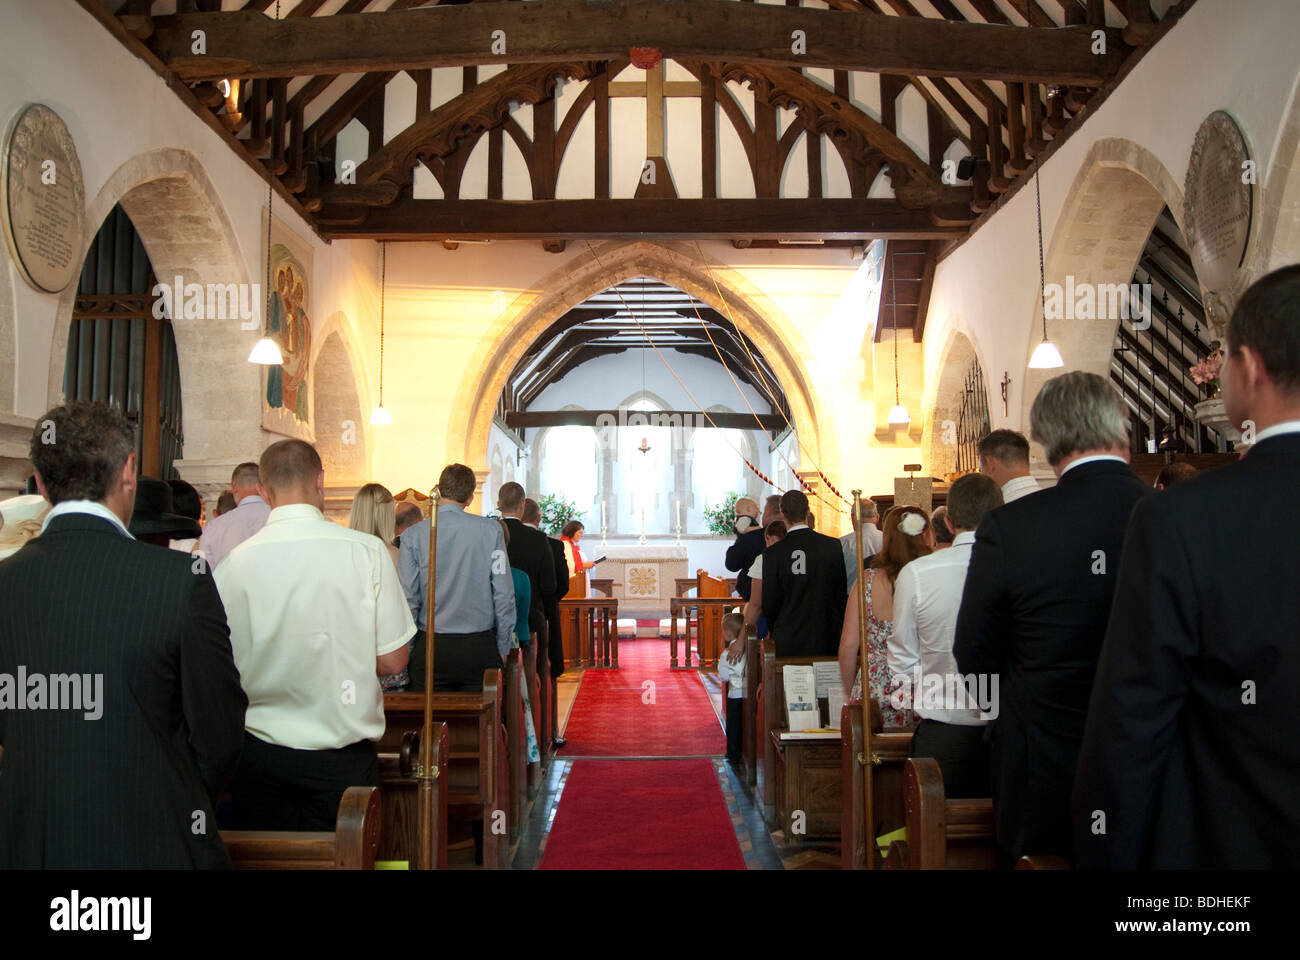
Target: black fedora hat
{"type": "Point", "coordinates": [154, 512]}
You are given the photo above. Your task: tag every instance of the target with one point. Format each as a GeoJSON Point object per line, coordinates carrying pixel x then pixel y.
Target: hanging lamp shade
{"type": "Point", "coordinates": [381, 417]}
{"type": "Point", "coordinates": [266, 351]}
{"type": "Point", "coordinates": [899, 415]}
{"type": "Point", "coordinates": [1046, 356]}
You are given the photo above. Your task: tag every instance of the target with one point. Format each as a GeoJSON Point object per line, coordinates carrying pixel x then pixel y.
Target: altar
{"type": "Point", "coordinates": [645, 578]}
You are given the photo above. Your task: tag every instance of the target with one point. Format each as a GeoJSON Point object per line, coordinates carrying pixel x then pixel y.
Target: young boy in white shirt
{"type": "Point", "coordinates": [733, 675]}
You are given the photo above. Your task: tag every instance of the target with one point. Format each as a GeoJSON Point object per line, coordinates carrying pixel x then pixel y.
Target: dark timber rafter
{"type": "Point", "coordinates": [248, 44]}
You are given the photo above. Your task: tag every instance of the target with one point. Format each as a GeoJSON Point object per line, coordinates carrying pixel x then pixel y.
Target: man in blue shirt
{"type": "Point", "coordinates": [474, 617]}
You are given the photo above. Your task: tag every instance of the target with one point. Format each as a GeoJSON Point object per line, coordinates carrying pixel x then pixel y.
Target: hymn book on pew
{"type": "Point", "coordinates": [802, 713]}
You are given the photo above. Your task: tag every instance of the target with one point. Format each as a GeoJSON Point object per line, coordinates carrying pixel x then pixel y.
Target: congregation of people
{"type": "Point", "coordinates": [1111, 662]}
{"type": "Point", "coordinates": [243, 660]}
{"type": "Point", "coordinates": [1126, 654]}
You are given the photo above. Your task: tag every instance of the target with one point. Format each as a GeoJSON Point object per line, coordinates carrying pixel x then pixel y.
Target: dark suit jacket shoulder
{"type": "Point", "coordinates": [740, 556]}
{"type": "Point", "coordinates": [134, 787]}
{"type": "Point", "coordinates": [1192, 742]}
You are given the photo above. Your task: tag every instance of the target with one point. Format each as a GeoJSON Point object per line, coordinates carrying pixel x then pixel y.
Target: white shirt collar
{"type": "Point", "coordinates": [251, 498]}
{"type": "Point", "coordinates": [294, 511]}
{"type": "Point", "coordinates": [797, 526]}
{"type": "Point", "coordinates": [1093, 459]}
{"type": "Point", "coordinates": [966, 536]}
{"type": "Point", "coordinates": [92, 507]}
{"type": "Point", "coordinates": [1286, 426]}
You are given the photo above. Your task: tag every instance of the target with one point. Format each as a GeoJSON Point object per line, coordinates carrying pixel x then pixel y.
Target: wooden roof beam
{"type": "Point", "coordinates": [776, 219]}
{"type": "Point", "coordinates": [249, 44]}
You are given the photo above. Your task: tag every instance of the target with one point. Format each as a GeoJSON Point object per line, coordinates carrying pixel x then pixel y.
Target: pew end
{"type": "Point", "coordinates": [1042, 863]}
{"type": "Point", "coordinates": [353, 845]}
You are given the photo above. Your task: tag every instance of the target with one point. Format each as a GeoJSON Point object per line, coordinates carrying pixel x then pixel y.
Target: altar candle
{"type": "Point", "coordinates": [602, 515]}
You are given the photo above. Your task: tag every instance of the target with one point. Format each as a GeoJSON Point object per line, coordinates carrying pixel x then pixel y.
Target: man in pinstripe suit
{"type": "Point", "coordinates": [131, 779]}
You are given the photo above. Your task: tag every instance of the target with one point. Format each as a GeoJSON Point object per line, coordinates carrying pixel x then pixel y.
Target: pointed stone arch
{"type": "Point", "coordinates": [186, 232]}
{"type": "Point", "coordinates": [339, 408]}
{"type": "Point", "coordinates": [779, 340]}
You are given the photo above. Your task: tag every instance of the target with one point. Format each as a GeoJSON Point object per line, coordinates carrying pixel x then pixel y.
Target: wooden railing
{"type": "Point", "coordinates": [588, 629]}
{"type": "Point", "coordinates": [703, 617]}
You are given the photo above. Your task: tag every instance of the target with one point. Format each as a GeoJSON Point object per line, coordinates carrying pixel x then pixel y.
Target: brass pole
{"type": "Point", "coordinates": [868, 814]}
{"type": "Point", "coordinates": [428, 772]}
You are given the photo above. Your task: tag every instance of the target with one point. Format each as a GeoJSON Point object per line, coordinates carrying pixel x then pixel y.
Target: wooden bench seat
{"type": "Point", "coordinates": [794, 775]}
{"type": "Point", "coordinates": [401, 790]}
{"type": "Point", "coordinates": [889, 749]}
{"type": "Point", "coordinates": [352, 846]}
{"type": "Point", "coordinates": [477, 780]}
{"type": "Point", "coordinates": [949, 834]}
{"type": "Point", "coordinates": [942, 834]}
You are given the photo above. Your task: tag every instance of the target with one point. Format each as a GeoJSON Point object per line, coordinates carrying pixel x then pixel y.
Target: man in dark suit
{"type": "Point", "coordinates": [1192, 744]}
{"type": "Point", "coordinates": [803, 586]}
{"type": "Point", "coordinates": [551, 608]}
{"type": "Point", "coordinates": [126, 647]}
{"type": "Point", "coordinates": [1034, 608]}
{"type": "Point", "coordinates": [528, 551]}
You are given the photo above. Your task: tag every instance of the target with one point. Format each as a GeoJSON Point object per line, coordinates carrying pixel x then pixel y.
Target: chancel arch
{"type": "Point", "coordinates": [527, 319]}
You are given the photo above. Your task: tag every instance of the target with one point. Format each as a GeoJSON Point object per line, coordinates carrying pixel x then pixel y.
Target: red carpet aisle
{"type": "Point", "coordinates": [611, 719]}
{"type": "Point", "coordinates": [642, 815]}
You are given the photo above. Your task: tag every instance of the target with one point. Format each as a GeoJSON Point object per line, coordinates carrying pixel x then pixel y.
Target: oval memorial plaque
{"type": "Point", "coordinates": [1218, 201]}
{"type": "Point", "coordinates": [44, 202]}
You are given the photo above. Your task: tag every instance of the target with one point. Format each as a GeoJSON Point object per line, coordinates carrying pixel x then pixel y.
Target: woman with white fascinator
{"type": "Point", "coordinates": [907, 535]}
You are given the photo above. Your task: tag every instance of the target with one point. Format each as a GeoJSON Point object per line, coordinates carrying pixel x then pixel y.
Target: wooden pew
{"type": "Point", "coordinates": [942, 834]}
{"type": "Point", "coordinates": [400, 787]}
{"type": "Point", "coordinates": [477, 774]}
{"type": "Point", "coordinates": [352, 846]}
{"type": "Point", "coordinates": [749, 706]}
{"type": "Point", "coordinates": [889, 749]}
{"type": "Point", "coordinates": [950, 834]}
{"type": "Point", "coordinates": [516, 740]}
{"type": "Point", "coordinates": [816, 770]}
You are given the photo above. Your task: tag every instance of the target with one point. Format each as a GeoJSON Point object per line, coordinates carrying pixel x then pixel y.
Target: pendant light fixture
{"type": "Point", "coordinates": [381, 417]}
{"type": "Point", "coordinates": [898, 416]}
{"type": "Point", "coordinates": [266, 351]}
{"type": "Point", "coordinates": [1046, 356]}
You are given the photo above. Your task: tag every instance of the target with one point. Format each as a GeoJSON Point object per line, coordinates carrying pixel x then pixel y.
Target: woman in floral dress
{"type": "Point", "coordinates": [907, 536]}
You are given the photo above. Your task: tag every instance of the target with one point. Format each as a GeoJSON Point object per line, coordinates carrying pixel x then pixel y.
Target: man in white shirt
{"type": "Point", "coordinates": [927, 598]}
{"type": "Point", "coordinates": [316, 616]}
{"type": "Point", "coordinates": [1004, 456]}
{"type": "Point", "coordinates": [231, 529]}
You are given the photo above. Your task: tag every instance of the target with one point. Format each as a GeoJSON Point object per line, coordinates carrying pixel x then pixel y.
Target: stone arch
{"type": "Point", "coordinates": [754, 313]}
{"type": "Point", "coordinates": [1279, 201]}
{"type": "Point", "coordinates": [1105, 221]}
{"type": "Point", "coordinates": [186, 231]}
{"type": "Point", "coordinates": [340, 416]}
{"type": "Point", "coordinates": [942, 401]}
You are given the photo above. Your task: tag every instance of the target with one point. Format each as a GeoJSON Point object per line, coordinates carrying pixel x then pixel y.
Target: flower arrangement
{"type": "Point", "coordinates": [719, 517]}
{"type": "Point", "coordinates": [556, 512]}
{"type": "Point", "coordinates": [1206, 370]}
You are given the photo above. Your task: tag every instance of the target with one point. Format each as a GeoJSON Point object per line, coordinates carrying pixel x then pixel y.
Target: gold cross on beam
{"type": "Point", "coordinates": [654, 89]}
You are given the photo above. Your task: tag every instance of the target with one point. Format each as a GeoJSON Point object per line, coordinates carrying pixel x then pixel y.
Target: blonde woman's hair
{"type": "Point", "coordinates": [374, 511]}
